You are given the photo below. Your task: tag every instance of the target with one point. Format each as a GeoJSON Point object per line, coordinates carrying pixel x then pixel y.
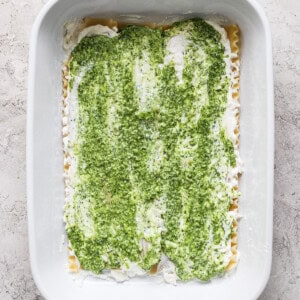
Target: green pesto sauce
{"type": "Point", "coordinates": [152, 149]}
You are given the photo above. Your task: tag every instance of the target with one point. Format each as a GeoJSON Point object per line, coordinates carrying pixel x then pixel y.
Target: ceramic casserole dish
{"type": "Point", "coordinates": [45, 186]}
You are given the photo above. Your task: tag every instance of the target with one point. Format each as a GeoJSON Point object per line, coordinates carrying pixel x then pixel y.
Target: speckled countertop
{"type": "Point", "coordinates": [16, 19]}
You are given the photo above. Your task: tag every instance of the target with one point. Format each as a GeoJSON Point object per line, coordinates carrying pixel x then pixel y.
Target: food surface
{"type": "Point", "coordinates": [151, 152]}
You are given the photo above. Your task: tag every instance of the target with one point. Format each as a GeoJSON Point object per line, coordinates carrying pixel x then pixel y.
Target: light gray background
{"type": "Point", "coordinates": [16, 19]}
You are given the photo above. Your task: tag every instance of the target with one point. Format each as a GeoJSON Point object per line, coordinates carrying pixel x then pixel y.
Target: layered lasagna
{"type": "Point", "coordinates": [151, 138]}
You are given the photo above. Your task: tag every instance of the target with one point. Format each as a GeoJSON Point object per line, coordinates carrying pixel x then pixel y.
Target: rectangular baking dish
{"type": "Point", "coordinates": [45, 188]}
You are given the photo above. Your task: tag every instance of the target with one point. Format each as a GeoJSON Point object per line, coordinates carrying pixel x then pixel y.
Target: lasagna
{"type": "Point", "coordinates": [151, 138]}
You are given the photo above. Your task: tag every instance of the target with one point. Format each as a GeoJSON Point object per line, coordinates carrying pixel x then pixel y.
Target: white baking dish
{"type": "Point", "coordinates": [45, 160]}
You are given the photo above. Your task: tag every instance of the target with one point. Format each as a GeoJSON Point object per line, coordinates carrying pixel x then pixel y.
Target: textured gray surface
{"type": "Point", "coordinates": [16, 19]}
